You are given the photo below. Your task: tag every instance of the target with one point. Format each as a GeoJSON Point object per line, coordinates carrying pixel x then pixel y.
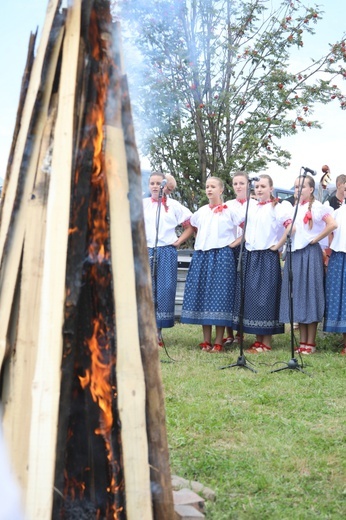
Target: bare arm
{"type": "Point", "coordinates": [330, 226]}
{"type": "Point", "coordinates": [283, 239]}
{"type": "Point", "coordinates": [188, 231]}
{"type": "Point", "coordinates": [236, 242]}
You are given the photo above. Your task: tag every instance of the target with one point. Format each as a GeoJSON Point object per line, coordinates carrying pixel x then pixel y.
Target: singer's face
{"type": "Point", "coordinates": [263, 190]}
{"type": "Point", "coordinates": [213, 190]}
{"type": "Point", "coordinates": [240, 186]}
{"type": "Point", "coordinates": [306, 189]}
{"type": "Point", "coordinates": [154, 185]}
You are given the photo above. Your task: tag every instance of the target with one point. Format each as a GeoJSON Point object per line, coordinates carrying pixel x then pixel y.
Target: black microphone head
{"type": "Point", "coordinates": [309, 170]}
{"type": "Point", "coordinates": [163, 183]}
{"type": "Point", "coordinates": [254, 179]}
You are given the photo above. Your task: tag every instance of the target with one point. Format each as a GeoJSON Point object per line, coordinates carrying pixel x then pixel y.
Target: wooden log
{"type": "Point", "coordinates": [129, 369]}
{"type": "Point", "coordinates": [22, 176]}
{"type": "Point", "coordinates": [160, 475]}
{"type": "Point", "coordinates": [37, 80]}
{"type": "Point", "coordinates": [76, 261]}
{"type": "Point", "coordinates": [46, 385]}
{"type": "Point", "coordinates": [19, 370]}
{"type": "Point", "coordinates": [22, 97]}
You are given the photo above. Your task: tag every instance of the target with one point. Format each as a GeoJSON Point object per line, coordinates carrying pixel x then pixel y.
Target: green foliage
{"type": "Point", "coordinates": [271, 445]}
{"type": "Point", "coordinates": [216, 86]}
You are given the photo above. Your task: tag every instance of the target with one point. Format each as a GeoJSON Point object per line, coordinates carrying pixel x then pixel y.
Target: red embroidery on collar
{"type": "Point", "coordinates": [163, 200]}
{"type": "Point", "coordinates": [218, 208]}
{"type": "Point", "coordinates": [263, 203]}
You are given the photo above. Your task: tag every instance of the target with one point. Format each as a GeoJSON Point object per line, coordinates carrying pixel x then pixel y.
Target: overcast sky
{"type": "Point", "coordinates": [312, 149]}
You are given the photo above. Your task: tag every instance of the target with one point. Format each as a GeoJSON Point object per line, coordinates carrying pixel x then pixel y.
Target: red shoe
{"type": "Point", "coordinates": [343, 352]}
{"type": "Point", "coordinates": [258, 348]}
{"type": "Point", "coordinates": [227, 342]}
{"type": "Point", "coordinates": [237, 339]}
{"type": "Point", "coordinates": [253, 348]}
{"type": "Point", "coordinates": [205, 345]}
{"type": "Point", "coordinates": [301, 346]}
{"type": "Point", "coordinates": [307, 349]}
{"type": "Point", "coordinates": [216, 348]}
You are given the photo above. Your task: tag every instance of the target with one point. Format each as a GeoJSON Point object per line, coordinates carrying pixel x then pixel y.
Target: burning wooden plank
{"type": "Point", "coordinates": [46, 382]}
{"type": "Point", "coordinates": [91, 402]}
{"type": "Point", "coordinates": [18, 187]}
{"type": "Point", "coordinates": [155, 409]}
{"type": "Point", "coordinates": [24, 351]}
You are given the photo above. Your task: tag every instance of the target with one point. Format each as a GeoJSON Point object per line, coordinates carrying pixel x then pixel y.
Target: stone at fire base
{"type": "Point", "coordinates": [187, 497]}
{"type": "Point", "coordinates": [183, 512]}
{"type": "Point", "coordinates": [197, 487]}
{"type": "Point", "coordinates": [188, 505]}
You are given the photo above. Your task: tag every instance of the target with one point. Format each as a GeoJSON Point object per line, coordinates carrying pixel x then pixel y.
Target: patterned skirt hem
{"type": "Point", "coordinates": [340, 328]}
{"type": "Point", "coordinates": [164, 324]}
{"type": "Point", "coordinates": [206, 321]}
{"type": "Point", "coordinates": [260, 329]}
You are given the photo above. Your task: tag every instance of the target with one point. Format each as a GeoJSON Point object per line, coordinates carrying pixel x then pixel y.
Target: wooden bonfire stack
{"type": "Point", "coordinates": [83, 410]}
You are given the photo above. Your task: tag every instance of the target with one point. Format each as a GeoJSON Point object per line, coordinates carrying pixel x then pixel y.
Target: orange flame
{"type": "Point", "coordinates": [98, 380]}
{"type": "Point", "coordinates": [98, 377]}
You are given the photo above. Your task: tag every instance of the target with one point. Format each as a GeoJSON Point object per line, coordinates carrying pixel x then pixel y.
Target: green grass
{"type": "Point", "coordinates": [271, 445]}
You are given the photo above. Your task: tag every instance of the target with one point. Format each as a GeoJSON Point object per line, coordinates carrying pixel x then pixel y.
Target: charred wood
{"type": "Point", "coordinates": [156, 427]}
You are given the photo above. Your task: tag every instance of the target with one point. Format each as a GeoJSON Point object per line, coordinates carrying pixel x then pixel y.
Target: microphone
{"type": "Point", "coordinates": [163, 184]}
{"type": "Point", "coordinates": [254, 179]}
{"type": "Point", "coordinates": [312, 172]}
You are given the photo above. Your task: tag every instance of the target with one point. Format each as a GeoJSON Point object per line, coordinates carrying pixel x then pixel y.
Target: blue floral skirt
{"type": "Point", "coordinates": [335, 314]}
{"type": "Point", "coordinates": [209, 288]}
{"type": "Point", "coordinates": [308, 286]}
{"type": "Point", "coordinates": [261, 293]}
{"type": "Point", "coordinates": [164, 283]}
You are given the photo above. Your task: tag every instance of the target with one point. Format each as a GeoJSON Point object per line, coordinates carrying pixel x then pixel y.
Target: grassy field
{"type": "Point", "coordinates": [271, 445]}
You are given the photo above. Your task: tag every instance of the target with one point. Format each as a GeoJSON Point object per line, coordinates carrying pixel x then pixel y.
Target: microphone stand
{"type": "Point", "coordinates": [293, 363]}
{"type": "Point", "coordinates": [241, 361]}
{"type": "Point", "coordinates": [158, 214]}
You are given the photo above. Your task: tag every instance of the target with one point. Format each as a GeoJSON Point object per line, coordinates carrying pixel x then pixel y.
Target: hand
{"type": "Point", "coordinates": [235, 243]}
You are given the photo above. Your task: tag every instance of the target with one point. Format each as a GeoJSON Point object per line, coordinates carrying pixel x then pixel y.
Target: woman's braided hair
{"type": "Point", "coordinates": [311, 183]}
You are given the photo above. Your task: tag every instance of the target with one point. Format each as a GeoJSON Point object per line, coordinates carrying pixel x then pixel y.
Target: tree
{"type": "Point", "coordinates": [216, 86]}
